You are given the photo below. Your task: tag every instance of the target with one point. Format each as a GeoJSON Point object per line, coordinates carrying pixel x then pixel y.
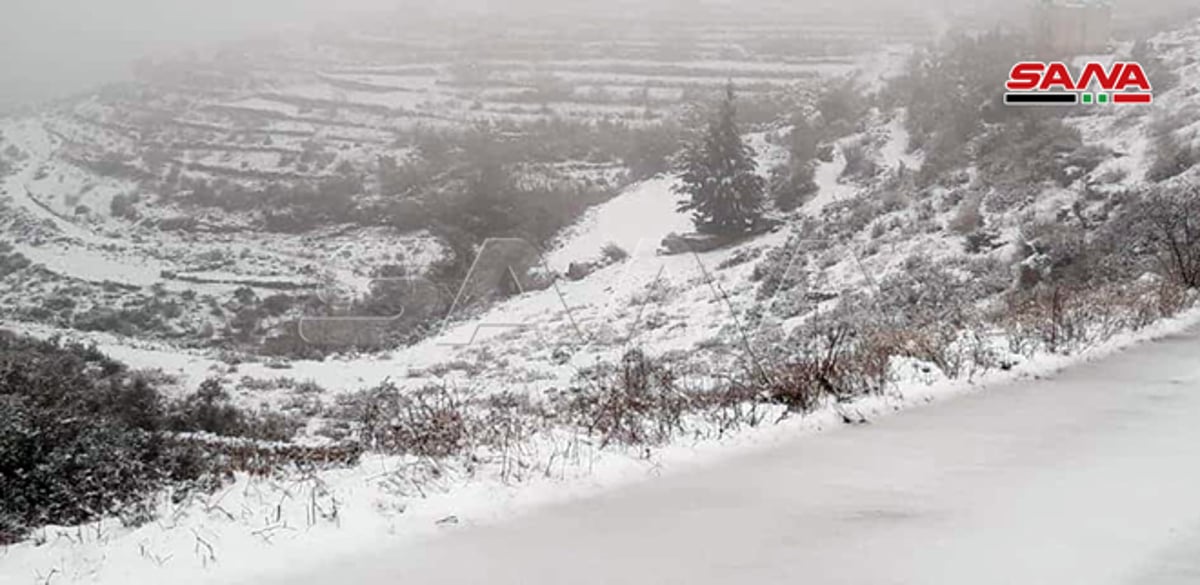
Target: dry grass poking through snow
{"type": "Point", "coordinates": [644, 401]}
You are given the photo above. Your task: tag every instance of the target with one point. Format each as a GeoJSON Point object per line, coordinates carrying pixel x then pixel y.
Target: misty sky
{"type": "Point", "coordinates": [52, 47]}
{"type": "Point", "coordinates": [49, 48]}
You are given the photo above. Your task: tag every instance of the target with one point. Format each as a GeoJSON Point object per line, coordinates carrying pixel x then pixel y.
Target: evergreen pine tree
{"type": "Point", "coordinates": [725, 194]}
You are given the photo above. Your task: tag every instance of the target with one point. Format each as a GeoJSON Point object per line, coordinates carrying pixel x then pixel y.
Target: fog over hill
{"type": "Point", "coordinates": [52, 47]}
{"type": "Point", "coordinates": [49, 48]}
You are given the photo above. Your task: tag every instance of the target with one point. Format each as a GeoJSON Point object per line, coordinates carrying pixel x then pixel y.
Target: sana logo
{"type": "Point", "coordinates": [1033, 83]}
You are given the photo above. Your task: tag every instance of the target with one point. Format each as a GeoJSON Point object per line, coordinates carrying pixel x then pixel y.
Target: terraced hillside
{"type": "Point", "coordinates": [277, 178]}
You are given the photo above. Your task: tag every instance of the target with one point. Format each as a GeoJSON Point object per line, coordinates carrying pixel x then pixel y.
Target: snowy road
{"type": "Point", "coordinates": [1090, 477]}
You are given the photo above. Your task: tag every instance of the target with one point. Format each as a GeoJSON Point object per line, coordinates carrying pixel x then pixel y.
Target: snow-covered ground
{"type": "Point", "coordinates": [1088, 476]}
{"type": "Point", "coordinates": [636, 221]}
{"type": "Point", "coordinates": [97, 248]}
{"type": "Point", "coordinates": [1017, 478]}
{"type": "Point", "coordinates": [616, 307]}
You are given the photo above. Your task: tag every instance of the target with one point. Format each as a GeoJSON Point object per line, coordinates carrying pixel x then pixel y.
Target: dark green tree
{"type": "Point", "coordinates": [793, 182]}
{"type": "Point", "coordinates": [725, 194]}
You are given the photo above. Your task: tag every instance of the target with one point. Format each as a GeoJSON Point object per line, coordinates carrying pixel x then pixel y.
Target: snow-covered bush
{"type": "Point", "coordinates": [792, 184]}
{"type": "Point", "coordinates": [10, 260]}
{"type": "Point", "coordinates": [968, 218]}
{"type": "Point", "coordinates": [123, 321]}
{"type": "Point", "coordinates": [124, 206]}
{"type": "Point", "coordinates": [842, 107]}
{"type": "Point", "coordinates": [860, 164]}
{"type": "Point", "coordinates": [1034, 148]}
{"type": "Point", "coordinates": [81, 437]}
{"type": "Point", "coordinates": [614, 253]}
{"type": "Point", "coordinates": [1172, 156]}
{"type": "Point", "coordinates": [211, 410]}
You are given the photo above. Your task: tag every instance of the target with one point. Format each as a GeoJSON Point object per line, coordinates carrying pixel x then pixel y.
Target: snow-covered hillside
{"type": "Point", "coordinates": [871, 252]}
{"type": "Point", "coordinates": [162, 196]}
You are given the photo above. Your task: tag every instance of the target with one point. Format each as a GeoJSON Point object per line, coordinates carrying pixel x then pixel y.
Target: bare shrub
{"type": "Point", "coordinates": [430, 422]}
{"type": "Point", "coordinates": [504, 427]}
{"type": "Point", "coordinates": [734, 406]}
{"type": "Point", "coordinates": [932, 344]}
{"type": "Point", "coordinates": [507, 418]}
{"type": "Point", "coordinates": [1063, 319]}
{"type": "Point", "coordinates": [265, 458]}
{"type": "Point", "coordinates": [838, 361]}
{"type": "Point", "coordinates": [801, 384]}
{"type": "Point", "coordinates": [1171, 223]}
{"type": "Point", "coordinates": [634, 402]}
{"type": "Point", "coordinates": [1043, 315]}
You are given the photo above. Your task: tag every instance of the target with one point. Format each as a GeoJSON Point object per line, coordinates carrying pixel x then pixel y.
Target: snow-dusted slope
{"type": "Point", "coordinates": [81, 239]}
{"type": "Point", "coordinates": [931, 477]}
{"type": "Point", "coordinates": [1087, 477]}
{"type": "Point", "coordinates": [969, 465]}
{"type": "Point", "coordinates": [637, 220]}
{"type": "Point", "coordinates": [664, 302]}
